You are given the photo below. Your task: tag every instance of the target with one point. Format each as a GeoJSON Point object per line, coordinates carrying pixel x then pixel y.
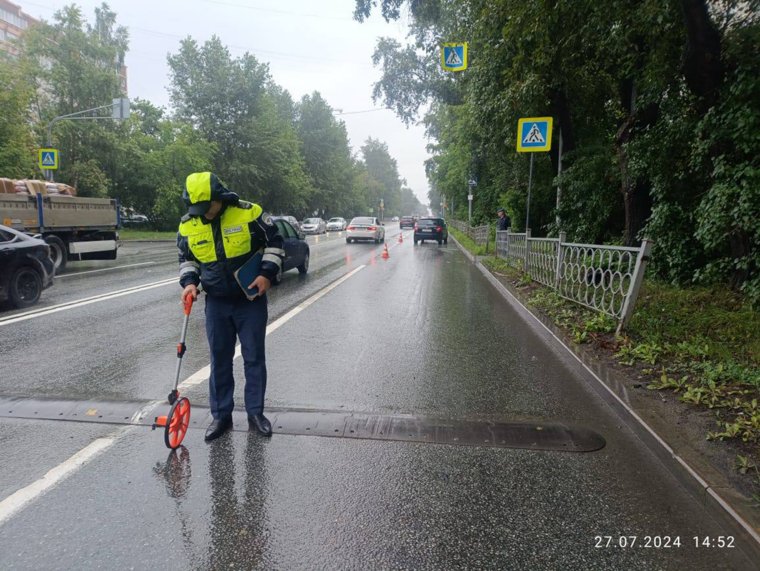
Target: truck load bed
{"type": "Point", "coordinates": [60, 212]}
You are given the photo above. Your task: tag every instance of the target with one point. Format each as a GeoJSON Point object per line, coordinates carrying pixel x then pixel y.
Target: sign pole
{"type": "Point", "coordinates": [559, 173]}
{"type": "Point", "coordinates": [534, 135]}
{"type": "Point", "coordinates": [530, 182]}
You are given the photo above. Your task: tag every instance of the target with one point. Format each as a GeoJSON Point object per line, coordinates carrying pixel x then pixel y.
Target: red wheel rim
{"type": "Point", "coordinates": [177, 422]}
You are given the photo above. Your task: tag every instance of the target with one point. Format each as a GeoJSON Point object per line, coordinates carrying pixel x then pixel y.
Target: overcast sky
{"type": "Point", "coordinates": [309, 45]}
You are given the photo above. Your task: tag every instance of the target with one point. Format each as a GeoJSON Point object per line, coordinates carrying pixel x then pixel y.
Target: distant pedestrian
{"type": "Point", "coordinates": [503, 223]}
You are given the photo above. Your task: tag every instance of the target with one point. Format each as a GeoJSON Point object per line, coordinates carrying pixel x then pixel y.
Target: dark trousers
{"type": "Point", "coordinates": [247, 320]}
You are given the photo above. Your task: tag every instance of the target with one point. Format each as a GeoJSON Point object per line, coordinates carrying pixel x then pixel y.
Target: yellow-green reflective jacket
{"type": "Point", "coordinates": [211, 251]}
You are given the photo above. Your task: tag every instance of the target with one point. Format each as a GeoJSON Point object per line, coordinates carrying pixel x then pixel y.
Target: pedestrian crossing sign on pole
{"type": "Point", "coordinates": [454, 56]}
{"type": "Point", "coordinates": [534, 134]}
{"type": "Point", "coordinates": [48, 159]}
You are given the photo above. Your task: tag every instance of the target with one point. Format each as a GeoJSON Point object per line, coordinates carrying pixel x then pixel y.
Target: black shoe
{"type": "Point", "coordinates": [260, 424]}
{"type": "Point", "coordinates": [217, 428]}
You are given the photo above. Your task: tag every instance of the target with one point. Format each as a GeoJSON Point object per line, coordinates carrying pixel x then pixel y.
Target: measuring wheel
{"type": "Point", "coordinates": [175, 423]}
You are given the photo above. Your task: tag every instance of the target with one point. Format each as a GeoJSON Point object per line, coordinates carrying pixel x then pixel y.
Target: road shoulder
{"type": "Point", "coordinates": [681, 450]}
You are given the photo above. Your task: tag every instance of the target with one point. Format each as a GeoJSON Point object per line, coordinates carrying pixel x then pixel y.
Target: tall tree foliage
{"type": "Point", "coordinates": [234, 103]}
{"type": "Point", "coordinates": [74, 66]}
{"type": "Point", "coordinates": [653, 100]}
{"type": "Point", "coordinates": [383, 169]}
{"type": "Point", "coordinates": [230, 117]}
{"type": "Point", "coordinates": [16, 138]}
{"type": "Point", "coordinates": [327, 155]}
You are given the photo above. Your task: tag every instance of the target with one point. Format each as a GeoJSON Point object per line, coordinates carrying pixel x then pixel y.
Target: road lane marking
{"type": "Point", "coordinates": [201, 375]}
{"type": "Point", "coordinates": [85, 301]}
{"type": "Point", "coordinates": [104, 270]}
{"type": "Point", "coordinates": [20, 498]}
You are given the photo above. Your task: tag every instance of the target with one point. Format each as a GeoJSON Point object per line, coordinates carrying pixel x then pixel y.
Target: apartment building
{"type": "Point", "coordinates": [13, 23]}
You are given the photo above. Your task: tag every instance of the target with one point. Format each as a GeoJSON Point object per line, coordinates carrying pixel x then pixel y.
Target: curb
{"type": "Point", "coordinates": [613, 392]}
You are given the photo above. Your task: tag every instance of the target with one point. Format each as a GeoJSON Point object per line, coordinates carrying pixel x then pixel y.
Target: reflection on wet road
{"type": "Point", "coordinates": [417, 350]}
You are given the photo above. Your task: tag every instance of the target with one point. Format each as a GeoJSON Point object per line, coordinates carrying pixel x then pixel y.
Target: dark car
{"type": "Point", "coordinates": [25, 268]}
{"type": "Point", "coordinates": [295, 246]}
{"type": "Point", "coordinates": [431, 229]}
{"type": "Point", "coordinates": [406, 222]}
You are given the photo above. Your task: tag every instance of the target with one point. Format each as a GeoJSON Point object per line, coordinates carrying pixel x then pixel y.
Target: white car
{"type": "Point", "coordinates": [336, 224]}
{"type": "Point", "coordinates": [365, 228]}
{"type": "Point", "coordinates": [313, 226]}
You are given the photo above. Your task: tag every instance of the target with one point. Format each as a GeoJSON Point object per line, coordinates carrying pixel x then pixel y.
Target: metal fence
{"type": "Point", "coordinates": [604, 278]}
{"type": "Point", "coordinates": [479, 234]}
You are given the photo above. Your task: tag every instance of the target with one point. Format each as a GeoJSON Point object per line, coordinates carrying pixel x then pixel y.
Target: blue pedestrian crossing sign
{"type": "Point", "coordinates": [454, 56]}
{"type": "Point", "coordinates": [534, 134]}
{"type": "Point", "coordinates": [48, 159]}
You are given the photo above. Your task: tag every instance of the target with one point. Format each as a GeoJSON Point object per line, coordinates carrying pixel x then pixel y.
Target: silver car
{"type": "Point", "coordinates": [365, 228]}
{"type": "Point", "coordinates": [336, 224]}
{"type": "Point", "coordinates": [292, 220]}
{"type": "Point", "coordinates": [313, 226]}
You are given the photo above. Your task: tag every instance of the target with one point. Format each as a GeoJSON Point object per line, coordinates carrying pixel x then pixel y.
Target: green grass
{"type": "Point", "coordinates": [468, 242]}
{"type": "Point", "coordinates": [131, 234]}
{"type": "Point", "coordinates": [701, 343]}
{"type": "Point", "coordinates": [716, 320]}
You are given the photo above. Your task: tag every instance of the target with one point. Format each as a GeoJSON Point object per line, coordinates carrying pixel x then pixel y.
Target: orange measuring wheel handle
{"type": "Point", "coordinates": [188, 303]}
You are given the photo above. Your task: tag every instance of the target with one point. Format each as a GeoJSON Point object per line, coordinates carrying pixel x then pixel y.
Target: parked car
{"type": "Point", "coordinates": [336, 224]}
{"type": "Point", "coordinates": [431, 229]}
{"type": "Point", "coordinates": [406, 222]}
{"type": "Point", "coordinates": [292, 220]}
{"type": "Point", "coordinates": [26, 267]}
{"type": "Point", "coordinates": [365, 228]}
{"type": "Point", "coordinates": [295, 246]}
{"type": "Point", "coordinates": [313, 226]}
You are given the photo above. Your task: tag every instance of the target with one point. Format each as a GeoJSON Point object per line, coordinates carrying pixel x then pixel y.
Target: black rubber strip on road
{"type": "Point", "coordinates": [530, 435]}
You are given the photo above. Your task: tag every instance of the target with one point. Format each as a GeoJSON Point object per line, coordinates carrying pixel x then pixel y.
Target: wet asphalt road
{"type": "Point", "coordinates": [421, 333]}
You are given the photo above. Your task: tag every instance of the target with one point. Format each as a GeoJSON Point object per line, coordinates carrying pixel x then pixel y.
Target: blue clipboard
{"type": "Point", "coordinates": [247, 273]}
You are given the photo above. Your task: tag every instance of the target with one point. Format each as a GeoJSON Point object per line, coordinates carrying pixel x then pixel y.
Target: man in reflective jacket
{"type": "Point", "coordinates": [219, 234]}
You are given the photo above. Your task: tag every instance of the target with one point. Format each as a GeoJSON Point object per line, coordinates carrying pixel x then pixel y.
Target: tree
{"type": "Point", "coordinates": [73, 67]}
{"type": "Point", "coordinates": [234, 105]}
{"type": "Point", "coordinates": [327, 156]}
{"type": "Point", "coordinates": [383, 169]}
{"type": "Point", "coordinates": [652, 100]}
{"type": "Point", "coordinates": [17, 148]}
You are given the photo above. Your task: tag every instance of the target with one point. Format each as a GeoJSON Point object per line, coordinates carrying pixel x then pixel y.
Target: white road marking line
{"type": "Point", "coordinates": [143, 412]}
{"type": "Point", "coordinates": [104, 270]}
{"type": "Point", "coordinates": [200, 376]}
{"type": "Point", "coordinates": [20, 498]}
{"type": "Point", "coordinates": [85, 301]}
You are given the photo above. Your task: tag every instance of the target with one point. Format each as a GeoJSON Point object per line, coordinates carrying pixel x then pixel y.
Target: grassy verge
{"type": "Point", "coordinates": [703, 344]}
{"type": "Point", "coordinates": [132, 234]}
{"type": "Point", "coordinates": [468, 242]}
